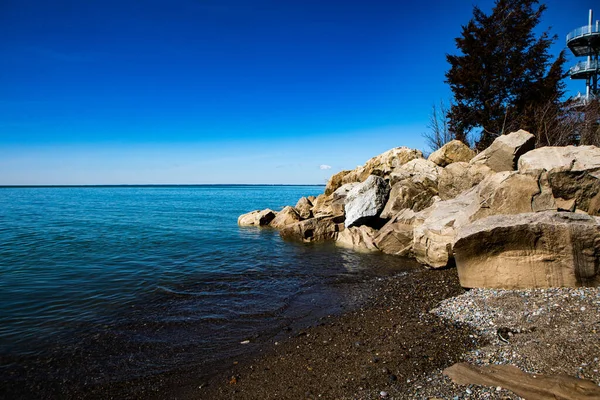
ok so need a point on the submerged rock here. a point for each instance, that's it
(318, 229)
(257, 218)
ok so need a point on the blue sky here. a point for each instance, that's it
(223, 91)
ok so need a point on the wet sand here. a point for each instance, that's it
(383, 346)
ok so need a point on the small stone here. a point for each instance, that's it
(383, 394)
(469, 391)
(245, 342)
(498, 388)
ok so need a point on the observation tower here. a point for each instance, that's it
(585, 42)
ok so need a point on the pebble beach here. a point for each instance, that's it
(411, 328)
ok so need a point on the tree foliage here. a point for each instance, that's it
(504, 74)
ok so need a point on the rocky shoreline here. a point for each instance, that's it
(520, 225)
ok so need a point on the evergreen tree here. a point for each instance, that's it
(504, 73)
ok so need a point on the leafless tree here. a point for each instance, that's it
(438, 133)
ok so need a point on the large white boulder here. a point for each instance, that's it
(365, 201)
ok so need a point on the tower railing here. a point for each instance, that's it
(589, 65)
(583, 31)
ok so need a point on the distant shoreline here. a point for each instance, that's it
(160, 185)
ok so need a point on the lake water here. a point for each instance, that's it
(101, 285)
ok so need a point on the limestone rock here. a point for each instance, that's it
(285, 217)
(304, 208)
(451, 152)
(358, 238)
(459, 177)
(396, 236)
(545, 249)
(322, 206)
(509, 192)
(418, 170)
(383, 165)
(339, 197)
(504, 153)
(335, 182)
(409, 194)
(317, 229)
(257, 218)
(435, 228)
(365, 201)
(573, 174)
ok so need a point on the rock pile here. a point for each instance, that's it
(509, 217)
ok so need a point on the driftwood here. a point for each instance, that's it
(529, 386)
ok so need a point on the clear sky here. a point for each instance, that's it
(223, 91)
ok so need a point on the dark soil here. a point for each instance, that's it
(383, 346)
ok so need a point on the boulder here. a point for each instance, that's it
(317, 229)
(545, 249)
(365, 201)
(322, 206)
(451, 152)
(509, 192)
(572, 173)
(459, 177)
(396, 236)
(285, 217)
(435, 228)
(339, 197)
(257, 218)
(383, 165)
(304, 208)
(418, 170)
(409, 194)
(414, 186)
(504, 153)
(357, 238)
(335, 182)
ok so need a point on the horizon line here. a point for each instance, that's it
(157, 184)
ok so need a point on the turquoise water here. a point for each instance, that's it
(102, 284)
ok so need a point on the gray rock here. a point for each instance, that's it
(365, 201)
